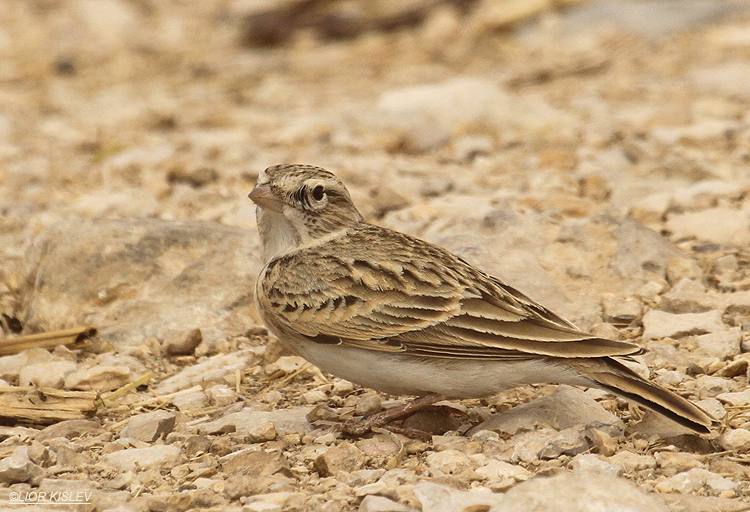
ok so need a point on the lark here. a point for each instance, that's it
(400, 315)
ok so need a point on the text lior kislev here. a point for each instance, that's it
(53, 497)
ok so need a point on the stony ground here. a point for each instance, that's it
(597, 156)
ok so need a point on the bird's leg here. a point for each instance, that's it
(382, 418)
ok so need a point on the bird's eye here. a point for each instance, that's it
(318, 192)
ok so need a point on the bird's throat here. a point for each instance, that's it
(277, 234)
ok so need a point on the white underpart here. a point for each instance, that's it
(399, 374)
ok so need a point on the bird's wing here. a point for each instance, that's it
(418, 299)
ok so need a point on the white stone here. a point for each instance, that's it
(427, 115)
(101, 377)
(285, 421)
(739, 398)
(630, 462)
(372, 503)
(718, 225)
(695, 480)
(18, 467)
(190, 401)
(565, 407)
(731, 78)
(160, 457)
(594, 463)
(314, 396)
(209, 371)
(11, 366)
(46, 375)
(221, 395)
(671, 463)
(659, 324)
(713, 407)
(708, 386)
(495, 470)
(448, 462)
(440, 498)
(723, 344)
(577, 492)
(262, 433)
(286, 364)
(149, 426)
(736, 439)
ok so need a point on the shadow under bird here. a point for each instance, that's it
(400, 315)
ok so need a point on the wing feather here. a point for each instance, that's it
(420, 299)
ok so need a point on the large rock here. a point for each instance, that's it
(150, 426)
(565, 407)
(141, 279)
(213, 370)
(159, 456)
(718, 225)
(579, 492)
(440, 498)
(425, 116)
(18, 467)
(642, 254)
(658, 324)
(247, 421)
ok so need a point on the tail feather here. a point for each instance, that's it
(621, 380)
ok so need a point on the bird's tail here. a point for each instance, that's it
(621, 380)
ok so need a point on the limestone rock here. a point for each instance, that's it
(723, 344)
(440, 498)
(565, 407)
(658, 324)
(448, 462)
(579, 492)
(144, 278)
(593, 463)
(70, 429)
(11, 366)
(213, 370)
(373, 503)
(738, 398)
(160, 456)
(46, 375)
(18, 467)
(99, 378)
(642, 254)
(190, 401)
(285, 421)
(180, 342)
(344, 457)
(426, 116)
(736, 439)
(695, 479)
(149, 426)
(718, 225)
(253, 462)
(676, 462)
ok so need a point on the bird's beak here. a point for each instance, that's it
(264, 197)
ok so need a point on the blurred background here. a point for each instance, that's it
(449, 119)
(438, 114)
(595, 154)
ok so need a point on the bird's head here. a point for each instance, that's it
(299, 204)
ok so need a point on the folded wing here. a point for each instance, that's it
(432, 304)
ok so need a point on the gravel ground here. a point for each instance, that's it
(596, 156)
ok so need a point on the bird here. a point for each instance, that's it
(400, 315)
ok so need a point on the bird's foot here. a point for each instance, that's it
(382, 419)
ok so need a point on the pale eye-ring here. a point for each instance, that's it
(318, 192)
